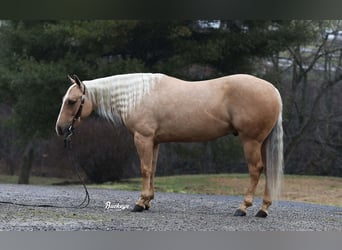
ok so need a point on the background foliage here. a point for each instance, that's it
(302, 58)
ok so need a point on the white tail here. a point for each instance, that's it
(275, 159)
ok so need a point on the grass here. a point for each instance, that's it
(311, 189)
(172, 184)
(34, 180)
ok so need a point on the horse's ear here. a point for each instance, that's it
(78, 81)
(72, 81)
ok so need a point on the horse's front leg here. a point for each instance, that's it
(154, 168)
(145, 148)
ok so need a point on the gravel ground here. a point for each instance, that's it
(169, 212)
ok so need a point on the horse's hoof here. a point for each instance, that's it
(138, 208)
(261, 214)
(240, 212)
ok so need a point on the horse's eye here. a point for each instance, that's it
(71, 102)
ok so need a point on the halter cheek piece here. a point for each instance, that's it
(70, 129)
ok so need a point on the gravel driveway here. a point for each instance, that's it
(169, 212)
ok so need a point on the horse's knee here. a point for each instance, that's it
(146, 171)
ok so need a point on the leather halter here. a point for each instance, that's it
(70, 130)
(79, 111)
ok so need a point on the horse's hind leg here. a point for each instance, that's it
(252, 151)
(145, 148)
(267, 201)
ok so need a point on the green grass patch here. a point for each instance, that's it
(188, 184)
(34, 180)
(312, 189)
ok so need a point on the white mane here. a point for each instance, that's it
(119, 94)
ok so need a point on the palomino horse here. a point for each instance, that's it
(158, 108)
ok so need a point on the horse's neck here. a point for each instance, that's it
(118, 95)
(99, 94)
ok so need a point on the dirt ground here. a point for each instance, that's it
(169, 212)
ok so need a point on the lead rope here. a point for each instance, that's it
(67, 146)
(83, 204)
(86, 200)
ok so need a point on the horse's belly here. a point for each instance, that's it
(192, 129)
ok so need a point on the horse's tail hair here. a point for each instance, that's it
(275, 159)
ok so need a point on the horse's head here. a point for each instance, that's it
(76, 106)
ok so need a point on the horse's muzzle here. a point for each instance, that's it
(59, 131)
(66, 131)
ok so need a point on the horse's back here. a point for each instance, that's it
(177, 110)
(240, 93)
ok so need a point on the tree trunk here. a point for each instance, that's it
(26, 166)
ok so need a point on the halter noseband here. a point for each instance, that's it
(70, 129)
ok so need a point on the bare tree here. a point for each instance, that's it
(312, 114)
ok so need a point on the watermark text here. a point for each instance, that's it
(116, 206)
